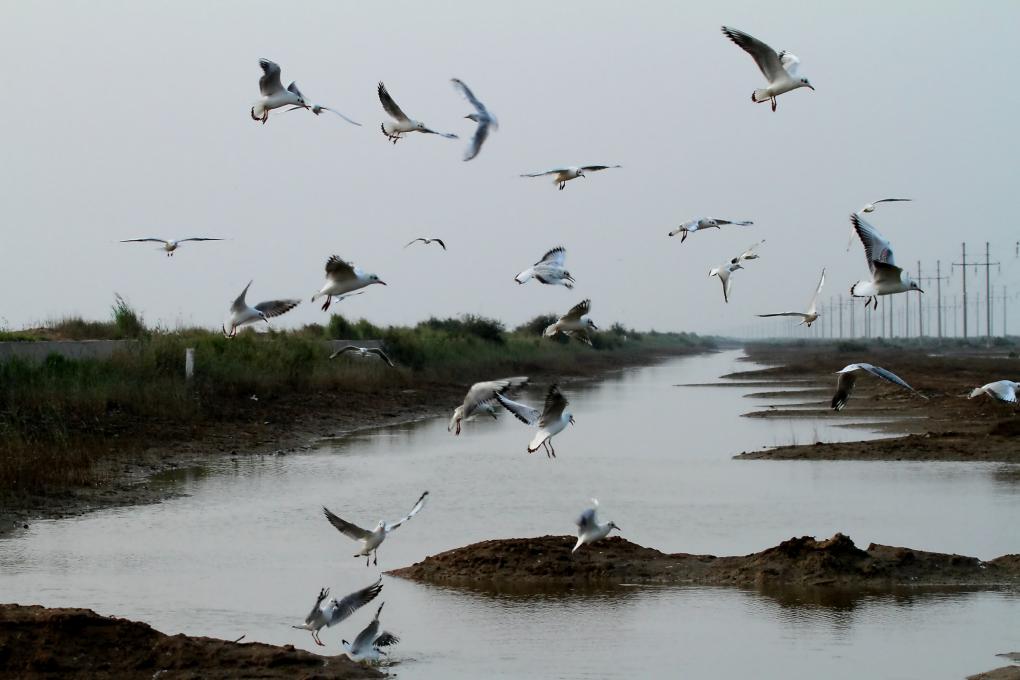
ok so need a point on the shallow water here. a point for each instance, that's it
(247, 549)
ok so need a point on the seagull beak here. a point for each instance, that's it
(919, 290)
(572, 420)
(812, 87)
(382, 282)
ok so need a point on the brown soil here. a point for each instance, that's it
(946, 426)
(37, 643)
(804, 561)
(1004, 673)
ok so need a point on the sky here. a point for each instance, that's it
(131, 119)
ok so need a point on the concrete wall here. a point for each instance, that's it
(104, 349)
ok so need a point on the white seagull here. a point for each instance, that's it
(886, 277)
(748, 254)
(870, 208)
(273, 94)
(241, 313)
(394, 131)
(725, 272)
(481, 398)
(1000, 390)
(699, 223)
(328, 614)
(481, 116)
(563, 175)
(427, 241)
(780, 69)
(169, 245)
(549, 270)
(551, 420)
(363, 352)
(811, 315)
(343, 278)
(367, 646)
(371, 540)
(588, 528)
(575, 323)
(319, 108)
(847, 379)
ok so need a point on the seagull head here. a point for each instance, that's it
(380, 524)
(263, 316)
(472, 116)
(372, 278)
(458, 415)
(612, 525)
(804, 82)
(589, 324)
(914, 286)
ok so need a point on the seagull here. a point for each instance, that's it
(481, 116)
(343, 278)
(169, 245)
(780, 69)
(748, 254)
(273, 94)
(395, 131)
(482, 398)
(241, 313)
(366, 647)
(551, 420)
(549, 270)
(811, 315)
(847, 378)
(371, 540)
(427, 241)
(886, 277)
(588, 528)
(870, 208)
(724, 272)
(319, 108)
(333, 612)
(1000, 390)
(363, 352)
(564, 175)
(574, 323)
(699, 223)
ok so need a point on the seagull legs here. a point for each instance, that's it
(773, 104)
(315, 637)
(562, 185)
(325, 305)
(375, 557)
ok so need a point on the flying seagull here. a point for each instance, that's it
(699, 223)
(724, 272)
(588, 528)
(241, 313)
(551, 420)
(394, 131)
(371, 540)
(811, 315)
(748, 254)
(273, 94)
(574, 323)
(481, 116)
(169, 245)
(342, 278)
(780, 69)
(367, 646)
(319, 108)
(870, 208)
(481, 398)
(328, 614)
(1000, 390)
(363, 352)
(549, 270)
(886, 277)
(563, 175)
(427, 241)
(848, 376)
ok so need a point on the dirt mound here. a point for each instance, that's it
(36, 642)
(802, 561)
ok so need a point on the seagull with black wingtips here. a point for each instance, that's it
(371, 540)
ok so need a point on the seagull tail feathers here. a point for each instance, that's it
(760, 96)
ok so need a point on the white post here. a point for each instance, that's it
(189, 363)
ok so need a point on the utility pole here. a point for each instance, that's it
(938, 283)
(963, 268)
(987, 264)
(1004, 312)
(841, 316)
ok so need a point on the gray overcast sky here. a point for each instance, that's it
(129, 119)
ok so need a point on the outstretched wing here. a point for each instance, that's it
(586, 520)
(414, 511)
(523, 412)
(269, 83)
(353, 602)
(334, 111)
(554, 171)
(348, 348)
(195, 238)
(144, 240)
(339, 269)
(382, 355)
(595, 168)
(389, 105)
(799, 314)
(481, 134)
(889, 200)
(555, 402)
(470, 96)
(738, 223)
(386, 639)
(790, 62)
(888, 376)
(367, 636)
(876, 247)
(577, 311)
(812, 308)
(844, 387)
(273, 308)
(557, 256)
(239, 303)
(346, 528)
(768, 61)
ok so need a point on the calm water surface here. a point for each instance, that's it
(247, 549)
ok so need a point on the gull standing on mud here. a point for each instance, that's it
(273, 94)
(588, 528)
(563, 175)
(549, 270)
(552, 420)
(330, 613)
(367, 646)
(481, 116)
(886, 277)
(780, 69)
(169, 245)
(1000, 390)
(847, 379)
(427, 241)
(241, 313)
(371, 540)
(363, 352)
(811, 315)
(343, 278)
(725, 273)
(699, 223)
(395, 131)
(481, 398)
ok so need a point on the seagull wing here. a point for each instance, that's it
(888, 376)
(844, 387)
(768, 61)
(326, 108)
(1001, 390)
(144, 240)
(195, 238)
(239, 304)
(523, 412)
(382, 355)
(353, 602)
(440, 242)
(470, 96)
(577, 311)
(273, 308)
(812, 308)
(748, 253)
(269, 83)
(724, 276)
(339, 269)
(448, 135)
(885, 272)
(485, 392)
(481, 134)
(389, 105)
(555, 171)
(386, 639)
(739, 223)
(363, 643)
(800, 314)
(790, 62)
(416, 240)
(876, 247)
(889, 200)
(414, 511)
(340, 351)
(595, 168)
(555, 402)
(556, 256)
(349, 530)
(586, 520)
